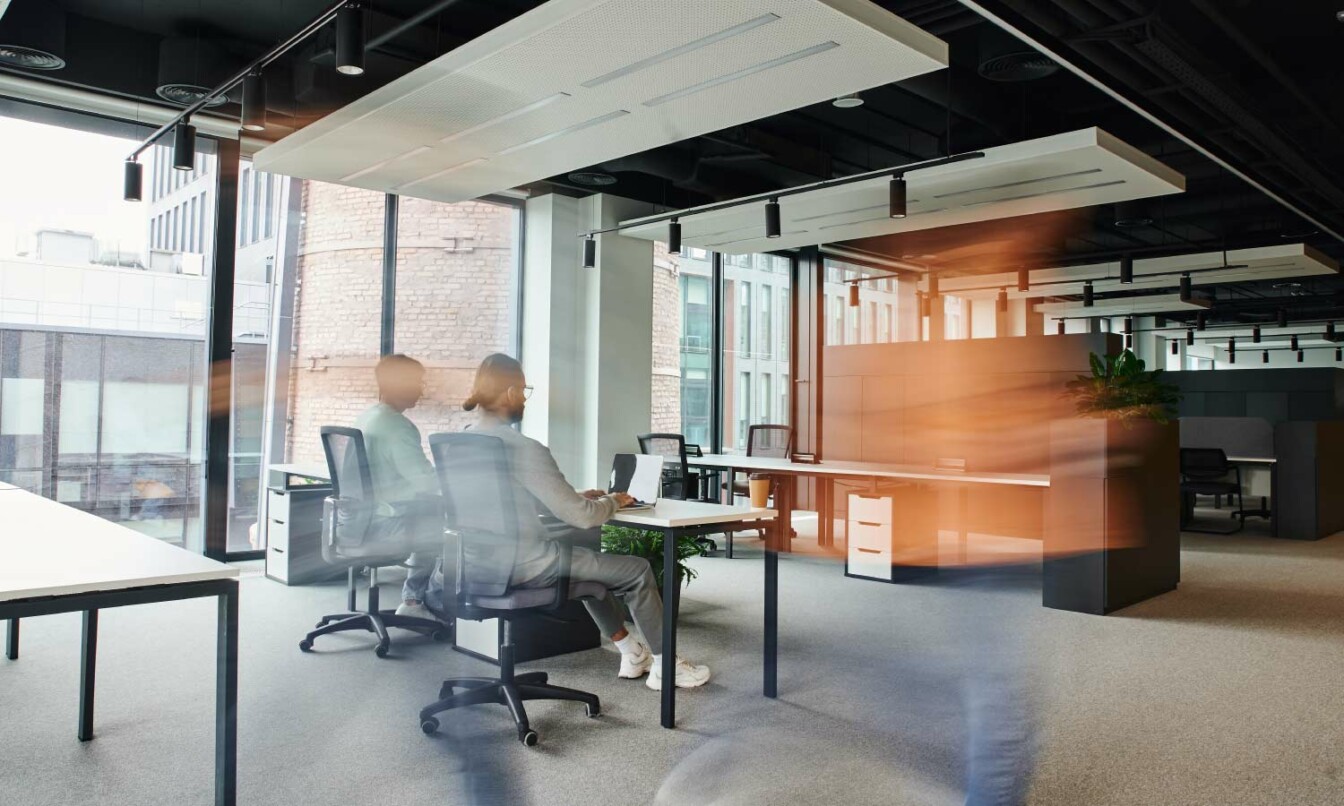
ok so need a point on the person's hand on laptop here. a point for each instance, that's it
(593, 495)
(623, 500)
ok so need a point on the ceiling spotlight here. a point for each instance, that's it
(1129, 342)
(1126, 269)
(1128, 326)
(849, 101)
(184, 146)
(925, 305)
(253, 117)
(1023, 280)
(1187, 287)
(933, 284)
(1339, 353)
(1201, 321)
(896, 204)
(1299, 356)
(1283, 317)
(1255, 334)
(589, 252)
(133, 181)
(1175, 347)
(1059, 327)
(350, 40)
(1330, 331)
(853, 295)
(674, 237)
(772, 227)
(1232, 351)
(1089, 297)
(1003, 300)
(1189, 337)
(1292, 343)
(1264, 357)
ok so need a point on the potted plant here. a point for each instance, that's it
(1122, 388)
(649, 545)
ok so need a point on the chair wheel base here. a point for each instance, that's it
(305, 645)
(429, 726)
(381, 650)
(529, 738)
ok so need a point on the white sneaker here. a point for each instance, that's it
(417, 610)
(689, 675)
(635, 666)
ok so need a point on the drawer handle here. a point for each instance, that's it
(869, 523)
(277, 520)
(868, 497)
(277, 550)
(867, 551)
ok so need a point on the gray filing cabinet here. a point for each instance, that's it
(294, 496)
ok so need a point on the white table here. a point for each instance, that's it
(676, 519)
(57, 559)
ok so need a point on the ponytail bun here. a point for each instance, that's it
(470, 403)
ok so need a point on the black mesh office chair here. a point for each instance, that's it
(355, 537)
(1205, 471)
(679, 481)
(774, 441)
(478, 496)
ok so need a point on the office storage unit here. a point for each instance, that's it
(293, 519)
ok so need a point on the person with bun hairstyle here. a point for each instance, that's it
(499, 396)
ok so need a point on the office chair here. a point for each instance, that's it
(679, 481)
(354, 537)
(774, 441)
(1204, 471)
(473, 471)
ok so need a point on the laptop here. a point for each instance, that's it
(639, 476)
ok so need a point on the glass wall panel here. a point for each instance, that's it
(886, 311)
(755, 361)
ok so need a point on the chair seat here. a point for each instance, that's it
(1210, 487)
(524, 598)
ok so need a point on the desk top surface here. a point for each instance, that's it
(50, 549)
(670, 514)
(864, 469)
(309, 470)
(1254, 460)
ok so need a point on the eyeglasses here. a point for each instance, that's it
(527, 392)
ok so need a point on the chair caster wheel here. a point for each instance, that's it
(429, 726)
(529, 738)
(380, 651)
(440, 635)
(320, 624)
(594, 711)
(305, 645)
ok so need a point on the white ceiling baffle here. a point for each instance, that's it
(573, 83)
(1123, 306)
(1059, 172)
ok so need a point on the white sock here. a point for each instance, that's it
(658, 663)
(629, 645)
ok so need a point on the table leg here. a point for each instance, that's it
(769, 685)
(825, 511)
(226, 699)
(669, 691)
(1274, 499)
(12, 640)
(87, 669)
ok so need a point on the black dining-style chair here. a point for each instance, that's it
(679, 481)
(355, 536)
(478, 493)
(1206, 471)
(774, 441)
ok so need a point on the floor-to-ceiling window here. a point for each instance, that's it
(886, 309)
(756, 360)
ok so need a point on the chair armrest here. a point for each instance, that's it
(563, 562)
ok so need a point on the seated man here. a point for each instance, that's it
(402, 476)
(500, 392)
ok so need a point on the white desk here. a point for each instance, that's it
(677, 519)
(56, 559)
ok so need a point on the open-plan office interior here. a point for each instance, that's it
(680, 402)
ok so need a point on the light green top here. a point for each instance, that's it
(397, 462)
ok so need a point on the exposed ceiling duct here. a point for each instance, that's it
(189, 68)
(32, 35)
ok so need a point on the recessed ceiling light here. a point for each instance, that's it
(849, 101)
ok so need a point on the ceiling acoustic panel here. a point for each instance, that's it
(1123, 306)
(1059, 172)
(573, 83)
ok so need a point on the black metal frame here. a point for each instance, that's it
(219, 353)
(226, 656)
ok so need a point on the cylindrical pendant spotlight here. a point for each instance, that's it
(925, 306)
(1264, 357)
(1231, 351)
(1187, 288)
(896, 203)
(1023, 280)
(1330, 331)
(1175, 347)
(1189, 337)
(1003, 300)
(132, 181)
(1292, 342)
(1089, 296)
(772, 226)
(1129, 342)
(184, 146)
(1201, 321)
(674, 237)
(1299, 356)
(933, 284)
(1339, 353)
(1126, 269)
(589, 252)
(253, 117)
(350, 40)
(1283, 317)
(1128, 326)
(853, 295)
(1059, 327)
(1255, 334)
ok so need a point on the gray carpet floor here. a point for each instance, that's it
(1228, 691)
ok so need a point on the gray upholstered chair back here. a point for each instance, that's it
(478, 496)
(774, 441)
(351, 502)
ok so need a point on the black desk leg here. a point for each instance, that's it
(1274, 499)
(12, 640)
(87, 669)
(669, 692)
(226, 699)
(770, 683)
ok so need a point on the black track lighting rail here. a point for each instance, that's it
(775, 195)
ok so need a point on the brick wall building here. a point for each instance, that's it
(666, 414)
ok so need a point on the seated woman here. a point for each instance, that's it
(499, 394)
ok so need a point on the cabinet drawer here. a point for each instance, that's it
(277, 506)
(870, 562)
(869, 535)
(869, 509)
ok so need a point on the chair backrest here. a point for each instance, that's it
(1204, 463)
(676, 473)
(478, 497)
(351, 484)
(774, 441)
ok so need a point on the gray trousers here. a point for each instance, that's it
(625, 577)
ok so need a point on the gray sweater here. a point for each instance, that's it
(540, 486)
